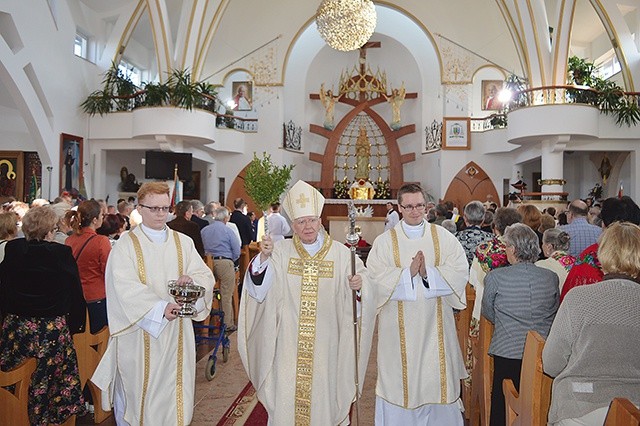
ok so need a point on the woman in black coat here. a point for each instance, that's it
(41, 296)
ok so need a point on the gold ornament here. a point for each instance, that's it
(346, 24)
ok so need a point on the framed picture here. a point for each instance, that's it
(242, 95)
(32, 176)
(70, 163)
(456, 132)
(490, 91)
(191, 187)
(11, 175)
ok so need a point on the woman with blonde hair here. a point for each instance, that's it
(555, 244)
(593, 349)
(91, 252)
(42, 298)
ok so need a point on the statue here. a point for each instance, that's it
(363, 152)
(396, 100)
(128, 181)
(329, 103)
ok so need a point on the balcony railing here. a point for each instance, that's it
(562, 95)
(203, 101)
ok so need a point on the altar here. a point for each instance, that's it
(335, 218)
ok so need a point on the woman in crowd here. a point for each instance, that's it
(517, 298)
(63, 212)
(546, 222)
(91, 252)
(112, 226)
(593, 349)
(42, 298)
(532, 217)
(8, 231)
(555, 243)
(8, 227)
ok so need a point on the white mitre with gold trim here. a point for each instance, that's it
(303, 200)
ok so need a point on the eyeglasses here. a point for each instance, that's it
(410, 207)
(157, 209)
(305, 222)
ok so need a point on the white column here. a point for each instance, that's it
(212, 183)
(553, 167)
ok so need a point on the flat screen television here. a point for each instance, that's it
(160, 165)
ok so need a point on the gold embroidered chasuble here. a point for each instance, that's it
(419, 357)
(158, 375)
(297, 344)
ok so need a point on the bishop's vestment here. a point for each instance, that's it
(297, 344)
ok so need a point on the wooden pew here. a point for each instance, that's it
(622, 413)
(530, 406)
(482, 378)
(14, 405)
(89, 349)
(463, 324)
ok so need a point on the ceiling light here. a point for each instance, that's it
(346, 24)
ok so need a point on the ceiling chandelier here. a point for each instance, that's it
(346, 24)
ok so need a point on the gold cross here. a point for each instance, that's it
(302, 201)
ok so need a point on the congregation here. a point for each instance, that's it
(577, 285)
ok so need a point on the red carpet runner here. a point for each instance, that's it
(245, 410)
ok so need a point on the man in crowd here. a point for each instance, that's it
(420, 272)
(149, 367)
(582, 233)
(198, 214)
(182, 223)
(278, 226)
(209, 210)
(125, 208)
(392, 218)
(296, 331)
(241, 220)
(221, 243)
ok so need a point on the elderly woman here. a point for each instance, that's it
(593, 349)
(91, 252)
(42, 298)
(555, 244)
(517, 298)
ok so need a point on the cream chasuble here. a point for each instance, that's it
(419, 357)
(297, 344)
(158, 375)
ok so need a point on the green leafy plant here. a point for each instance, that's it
(606, 94)
(120, 94)
(264, 181)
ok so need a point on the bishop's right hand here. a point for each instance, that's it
(266, 247)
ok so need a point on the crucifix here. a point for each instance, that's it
(363, 66)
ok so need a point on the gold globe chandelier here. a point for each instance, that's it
(346, 24)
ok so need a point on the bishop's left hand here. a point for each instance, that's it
(355, 282)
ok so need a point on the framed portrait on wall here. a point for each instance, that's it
(456, 133)
(242, 95)
(490, 91)
(70, 163)
(191, 188)
(11, 175)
